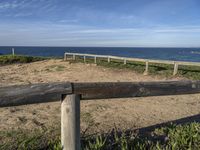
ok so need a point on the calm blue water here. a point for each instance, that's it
(179, 54)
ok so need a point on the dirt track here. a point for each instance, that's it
(101, 115)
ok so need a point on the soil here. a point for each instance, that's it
(96, 115)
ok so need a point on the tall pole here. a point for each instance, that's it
(13, 51)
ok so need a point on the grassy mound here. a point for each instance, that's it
(172, 137)
(10, 59)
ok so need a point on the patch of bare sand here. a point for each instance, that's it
(99, 115)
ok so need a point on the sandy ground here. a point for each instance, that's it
(96, 115)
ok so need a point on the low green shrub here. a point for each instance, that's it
(171, 137)
(10, 59)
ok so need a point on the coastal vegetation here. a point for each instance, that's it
(170, 137)
(10, 59)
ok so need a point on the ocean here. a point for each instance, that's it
(175, 54)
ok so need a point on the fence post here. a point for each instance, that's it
(70, 122)
(108, 59)
(175, 68)
(84, 57)
(146, 68)
(74, 57)
(124, 61)
(13, 51)
(95, 59)
(65, 57)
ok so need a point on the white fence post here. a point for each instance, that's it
(13, 51)
(65, 56)
(84, 57)
(124, 61)
(108, 59)
(74, 57)
(146, 68)
(70, 122)
(95, 59)
(175, 68)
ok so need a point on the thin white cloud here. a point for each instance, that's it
(68, 21)
(8, 5)
(179, 29)
(22, 8)
(47, 33)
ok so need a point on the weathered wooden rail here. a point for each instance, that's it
(125, 59)
(70, 95)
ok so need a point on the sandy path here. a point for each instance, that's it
(95, 115)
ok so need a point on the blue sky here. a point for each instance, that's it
(130, 23)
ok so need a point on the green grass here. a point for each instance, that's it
(171, 137)
(10, 59)
(25, 140)
(190, 72)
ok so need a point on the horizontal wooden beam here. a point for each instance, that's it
(134, 89)
(33, 93)
(49, 92)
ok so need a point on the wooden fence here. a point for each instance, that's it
(125, 59)
(70, 95)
